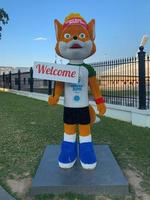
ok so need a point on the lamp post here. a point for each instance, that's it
(144, 40)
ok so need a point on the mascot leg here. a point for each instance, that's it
(86, 150)
(68, 154)
(92, 115)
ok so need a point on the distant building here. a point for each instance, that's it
(6, 70)
(41, 85)
(120, 75)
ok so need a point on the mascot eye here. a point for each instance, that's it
(67, 35)
(82, 35)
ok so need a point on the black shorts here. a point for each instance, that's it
(76, 115)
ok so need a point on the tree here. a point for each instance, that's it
(4, 18)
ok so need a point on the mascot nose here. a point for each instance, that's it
(75, 37)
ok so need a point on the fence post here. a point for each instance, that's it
(31, 79)
(49, 87)
(3, 79)
(142, 87)
(10, 86)
(19, 80)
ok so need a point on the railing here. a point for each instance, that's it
(119, 81)
(126, 81)
(123, 82)
(24, 81)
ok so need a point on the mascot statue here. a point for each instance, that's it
(75, 42)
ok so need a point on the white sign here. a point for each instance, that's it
(56, 72)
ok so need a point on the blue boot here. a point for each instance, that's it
(68, 154)
(87, 155)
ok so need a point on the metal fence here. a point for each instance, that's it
(119, 81)
(126, 81)
(24, 81)
(123, 82)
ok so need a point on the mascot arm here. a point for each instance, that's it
(53, 100)
(97, 95)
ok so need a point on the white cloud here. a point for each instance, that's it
(40, 38)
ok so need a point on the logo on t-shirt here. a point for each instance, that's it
(76, 87)
(76, 98)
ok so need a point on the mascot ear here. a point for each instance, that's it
(58, 28)
(91, 29)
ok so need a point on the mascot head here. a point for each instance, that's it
(75, 38)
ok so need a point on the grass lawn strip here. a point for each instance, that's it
(28, 125)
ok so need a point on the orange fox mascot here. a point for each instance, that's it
(75, 42)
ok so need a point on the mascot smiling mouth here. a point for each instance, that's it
(75, 46)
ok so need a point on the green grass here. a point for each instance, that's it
(28, 125)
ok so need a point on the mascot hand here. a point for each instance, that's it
(101, 108)
(53, 100)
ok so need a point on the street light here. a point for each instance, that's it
(143, 42)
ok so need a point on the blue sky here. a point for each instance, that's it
(119, 28)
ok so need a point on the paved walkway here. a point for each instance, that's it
(4, 195)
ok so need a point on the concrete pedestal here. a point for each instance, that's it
(107, 178)
(4, 195)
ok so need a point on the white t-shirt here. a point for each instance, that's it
(76, 95)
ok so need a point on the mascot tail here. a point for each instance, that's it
(92, 115)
